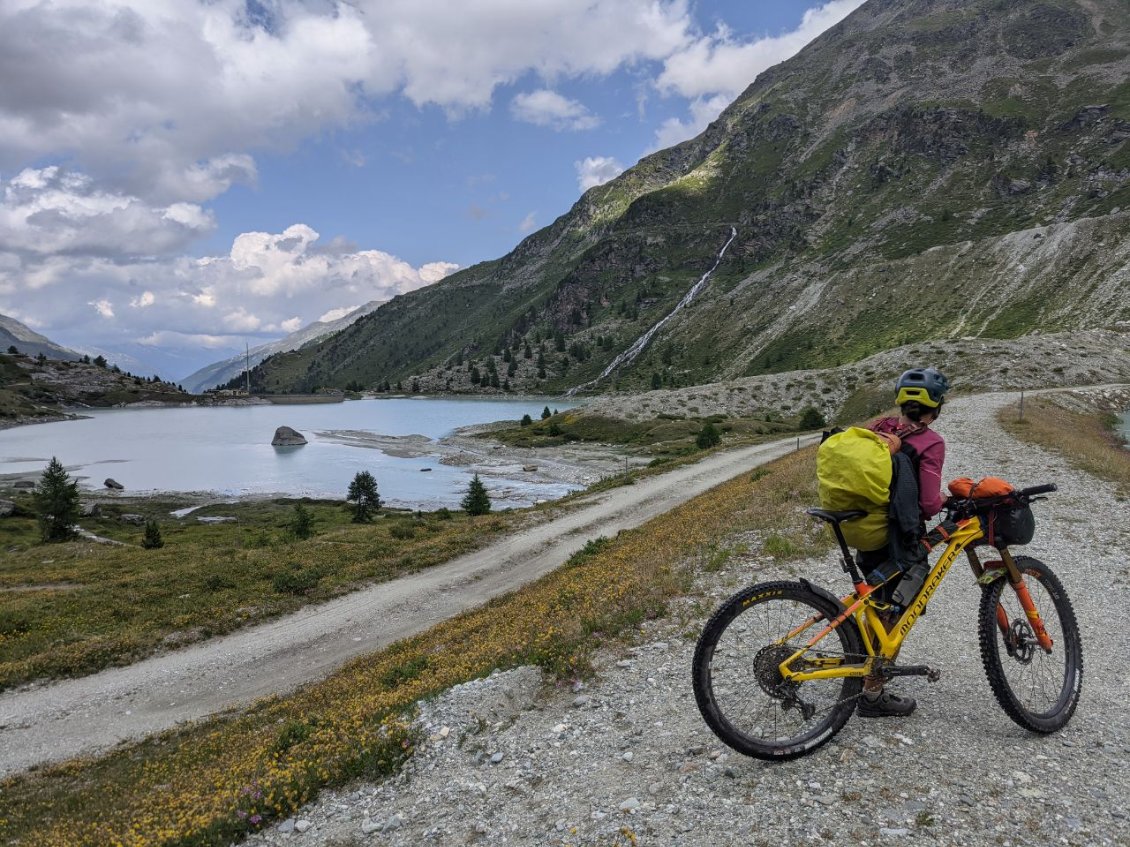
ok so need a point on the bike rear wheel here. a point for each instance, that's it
(738, 685)
(1038, 690)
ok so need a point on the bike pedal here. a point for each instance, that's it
(931, 674)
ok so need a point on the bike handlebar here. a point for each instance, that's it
(968, 505)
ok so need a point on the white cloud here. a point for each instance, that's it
(528, 223)
(435, 271)
(52, 210)
(596, 170)
(169, 338)
(168, 98)
(548, 108)
(268, 284)
(702, 112)
(713, 69)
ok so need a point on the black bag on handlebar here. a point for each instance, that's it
(1011, 524)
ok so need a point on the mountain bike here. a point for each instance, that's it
(780, 666)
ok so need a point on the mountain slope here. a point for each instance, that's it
(925, 169)
(15, 334)
(222, 372)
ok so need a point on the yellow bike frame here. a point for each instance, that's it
(883, 645)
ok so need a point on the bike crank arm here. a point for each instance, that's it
(931, 674)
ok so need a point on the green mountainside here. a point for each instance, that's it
(926, 169)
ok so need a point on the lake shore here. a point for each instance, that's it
(503, 468)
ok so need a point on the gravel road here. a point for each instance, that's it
(626, 759)
(82, 716)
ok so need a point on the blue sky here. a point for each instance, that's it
(178, 178)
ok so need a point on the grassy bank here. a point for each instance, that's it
(209, 782)
(1088, 440)
(75, 608)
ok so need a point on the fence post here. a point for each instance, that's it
(1021, 405)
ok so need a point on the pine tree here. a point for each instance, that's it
(152, 539)
(477, 501)
(302, 524)
(363, 494)
(56, 503)
(545, 413)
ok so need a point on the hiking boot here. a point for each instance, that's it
(883, 704)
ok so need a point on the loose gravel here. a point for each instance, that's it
(624, 758)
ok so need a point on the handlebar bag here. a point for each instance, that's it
(1011, 524)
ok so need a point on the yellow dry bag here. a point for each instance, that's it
(853, 471)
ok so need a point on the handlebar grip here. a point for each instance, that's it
(1038, 489)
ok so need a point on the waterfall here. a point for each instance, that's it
(640, 343)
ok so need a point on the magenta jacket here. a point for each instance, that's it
(931, 449)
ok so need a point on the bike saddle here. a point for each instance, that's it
(835, 517)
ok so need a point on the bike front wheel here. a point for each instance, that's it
(1037, 689)
(736, 671)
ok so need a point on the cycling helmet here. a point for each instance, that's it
(926, 386)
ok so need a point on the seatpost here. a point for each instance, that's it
(849, 560)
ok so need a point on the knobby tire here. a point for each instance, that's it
(1037, 690)
(739, 690)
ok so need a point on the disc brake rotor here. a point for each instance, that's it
(1022, 641)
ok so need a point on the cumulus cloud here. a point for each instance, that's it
(51, 210)
(266, 285)
(596, 170)
(548, 108)
(528, 223)
(712, 70)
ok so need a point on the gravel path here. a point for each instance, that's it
(81, 716)
(626, 759)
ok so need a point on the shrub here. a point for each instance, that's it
(302, 524)
(477, 501)
(811, 418)
(56, 503)
(363, 494)
(527, 420)
(152, 539)
(708, 437)
(402, 531)
(295, 581)
(443, 513)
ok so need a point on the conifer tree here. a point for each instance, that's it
(476, 501)
(364, 497)
(302, 524)
(152, 539)
(56, 503)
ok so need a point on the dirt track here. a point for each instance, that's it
(75, 717)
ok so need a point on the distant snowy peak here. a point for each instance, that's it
(219, 373)
(15, 334)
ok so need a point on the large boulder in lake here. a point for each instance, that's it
(287, 437)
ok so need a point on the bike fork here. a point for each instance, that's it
(1016, 580)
